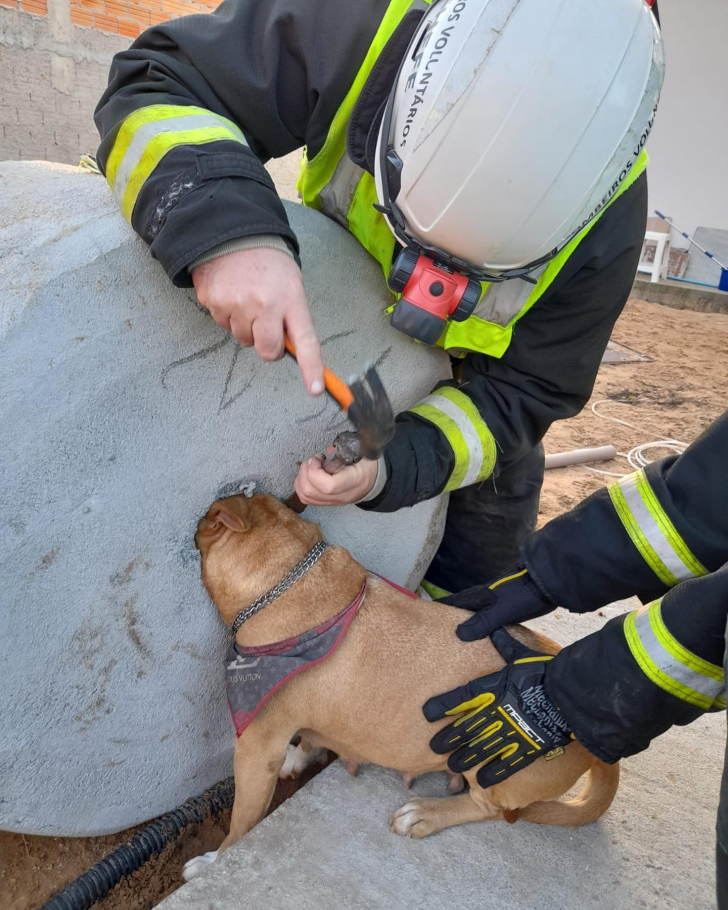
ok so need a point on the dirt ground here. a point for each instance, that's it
(674, 396)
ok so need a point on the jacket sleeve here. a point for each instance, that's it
(195, 106)
(642, 535)
(644, 672)
(499, 409)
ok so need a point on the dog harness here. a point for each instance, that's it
(253, 675)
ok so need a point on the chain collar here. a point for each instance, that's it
(297, 572)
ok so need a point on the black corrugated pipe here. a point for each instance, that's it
(90, 887)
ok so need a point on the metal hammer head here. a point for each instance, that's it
(371, 413)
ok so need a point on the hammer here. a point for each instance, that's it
(366, 403)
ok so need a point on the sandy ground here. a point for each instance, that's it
(675, 396)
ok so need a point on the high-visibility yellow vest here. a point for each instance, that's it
(331, 183)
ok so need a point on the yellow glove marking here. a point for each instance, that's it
(502, 581)
(502, 753)
(518, 730)
(480, 701)
(491, 731)
(533, 660)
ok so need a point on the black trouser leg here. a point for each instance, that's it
(721, 852)
(487, 524)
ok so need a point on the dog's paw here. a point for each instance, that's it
(194, 866)
(417, 818)
(297, 761)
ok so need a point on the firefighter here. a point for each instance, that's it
(489, 155)
(660, 534)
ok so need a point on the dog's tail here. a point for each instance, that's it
(593, 801)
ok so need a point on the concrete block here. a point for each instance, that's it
(330, 847)
(125, 411)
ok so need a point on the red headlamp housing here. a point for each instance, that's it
(431, 293)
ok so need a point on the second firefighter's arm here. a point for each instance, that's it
(642, 535)
(500, 409)
(195, 106)
(646, 671)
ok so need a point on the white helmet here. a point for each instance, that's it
(512, 123)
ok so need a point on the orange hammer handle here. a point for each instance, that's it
(336, 387)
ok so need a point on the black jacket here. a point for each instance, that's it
(586, 559)
(280, 70)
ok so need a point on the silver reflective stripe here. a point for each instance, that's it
(338, 194)
(148, 131)
(470, 435)
(651, 529)
(501, 303)
(670, 665)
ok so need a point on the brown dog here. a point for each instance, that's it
(365, 701)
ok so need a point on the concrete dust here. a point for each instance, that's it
(676, 395)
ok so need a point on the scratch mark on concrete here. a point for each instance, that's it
(198, 355)
(132, 618)
(226, 401)
(383, 356)
(120, 579)
(337, 336)
(318, 413)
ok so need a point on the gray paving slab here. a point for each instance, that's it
(330, 845)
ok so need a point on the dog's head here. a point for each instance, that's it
(247, 546)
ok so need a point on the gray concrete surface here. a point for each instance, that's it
(330, 847)
(681, 296)
(124, 412)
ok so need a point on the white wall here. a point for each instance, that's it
(688, 148)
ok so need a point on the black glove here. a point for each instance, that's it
(510, 721)
(512, 598)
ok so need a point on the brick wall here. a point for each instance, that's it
(129, 17)
(54, 64)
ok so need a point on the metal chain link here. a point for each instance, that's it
(297, 572)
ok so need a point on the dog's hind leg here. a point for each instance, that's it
(422, 817)
(259, 756)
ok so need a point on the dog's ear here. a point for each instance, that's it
(222, 515)
(232, 514)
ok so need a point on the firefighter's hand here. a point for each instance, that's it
(504, 721)
(317, 488)
(258, 295)
(514, 597)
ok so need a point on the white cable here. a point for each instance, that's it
(613, 419)
(635, 456)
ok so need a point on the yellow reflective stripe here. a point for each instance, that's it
(156, 150)
(487, 441)
(433, 590)
(472, 443)
(650, 529)
(638, 538)
(678, 651)
(454, 437)
(317, 171)
(153, 113)
(662, 520)
(145, 137)
(659, 661)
